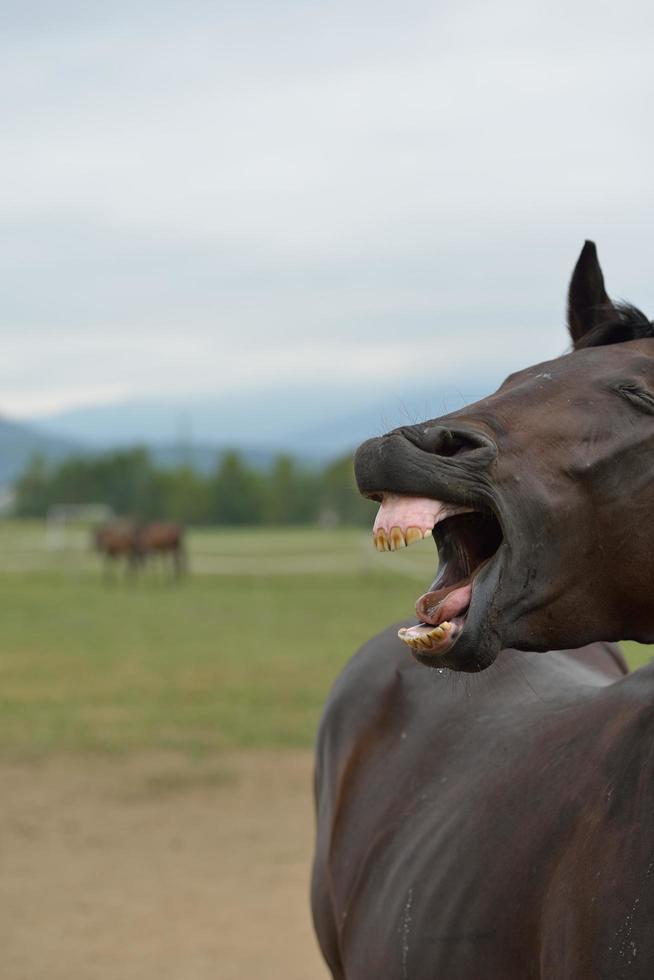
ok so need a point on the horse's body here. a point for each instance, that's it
(161, 538)
(499, 825)
(494, 827)
(115, 540)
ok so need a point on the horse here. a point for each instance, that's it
(492, 817)
(115, 540)
(161, 538)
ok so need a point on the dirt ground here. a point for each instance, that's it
(155, 866)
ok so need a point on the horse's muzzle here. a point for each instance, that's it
(446, 463)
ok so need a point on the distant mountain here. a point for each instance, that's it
(258, 419)
(19, 442)
(313, 421)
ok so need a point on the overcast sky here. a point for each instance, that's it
(200, 197)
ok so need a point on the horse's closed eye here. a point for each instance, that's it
(638, 396)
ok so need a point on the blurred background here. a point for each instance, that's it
(238, 240)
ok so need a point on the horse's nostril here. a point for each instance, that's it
(444, 441)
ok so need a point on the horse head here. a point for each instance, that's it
(538, 497)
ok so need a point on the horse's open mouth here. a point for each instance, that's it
(466, 540)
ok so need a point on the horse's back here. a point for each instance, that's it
(160, 536)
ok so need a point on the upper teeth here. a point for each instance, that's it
(402, 520)
(397, 538)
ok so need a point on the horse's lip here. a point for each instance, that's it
(475, 652)
(482, 636)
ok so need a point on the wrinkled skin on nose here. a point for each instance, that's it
(562, 458)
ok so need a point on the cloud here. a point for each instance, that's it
(202, 195)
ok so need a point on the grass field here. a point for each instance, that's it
(241, 654)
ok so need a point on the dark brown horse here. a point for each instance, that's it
(115, 541)
(500, 826)
(161, 539)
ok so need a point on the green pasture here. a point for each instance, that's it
(242, 653)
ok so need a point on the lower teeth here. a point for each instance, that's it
(425, 641)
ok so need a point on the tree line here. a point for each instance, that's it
(235, 493)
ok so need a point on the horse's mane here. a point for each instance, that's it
(623, 322)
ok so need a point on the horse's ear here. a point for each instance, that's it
(588, 302)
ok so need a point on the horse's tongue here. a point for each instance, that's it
(437, 607)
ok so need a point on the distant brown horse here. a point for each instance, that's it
(115, 540)
(135, 543)
(160, 538)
